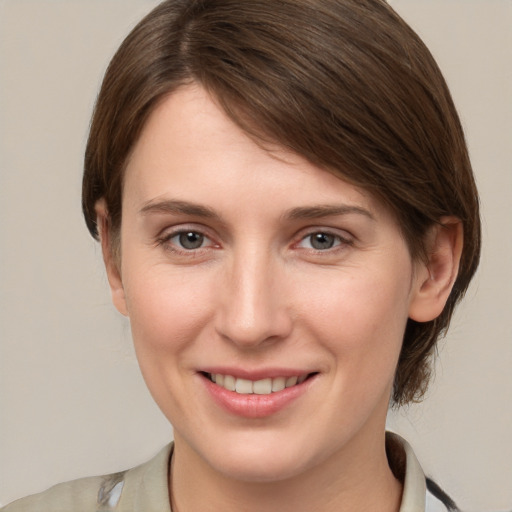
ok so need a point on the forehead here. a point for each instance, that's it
(190, 147)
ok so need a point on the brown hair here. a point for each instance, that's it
(346, 84)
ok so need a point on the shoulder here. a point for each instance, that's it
(141, 488)
(74, 495)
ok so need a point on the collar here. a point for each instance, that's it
(406, 468)
(146, 486)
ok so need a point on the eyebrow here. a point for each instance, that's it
(173, 206)
(178, 207)
(320, 211)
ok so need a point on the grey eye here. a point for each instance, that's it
(190, 240)
(322, 241)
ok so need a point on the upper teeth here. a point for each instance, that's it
(257, 387)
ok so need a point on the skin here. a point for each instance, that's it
(258, 295)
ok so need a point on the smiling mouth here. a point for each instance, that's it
(256, 387)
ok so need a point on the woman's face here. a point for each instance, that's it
(257, 269)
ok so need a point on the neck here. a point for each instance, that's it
(357, 479)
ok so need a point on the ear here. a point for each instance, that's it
(434, 278)
(112, 265)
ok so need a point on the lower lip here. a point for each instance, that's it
(255, 406)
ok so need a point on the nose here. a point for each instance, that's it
(254, 308)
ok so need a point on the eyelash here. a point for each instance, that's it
(340, 242)
(166, 241)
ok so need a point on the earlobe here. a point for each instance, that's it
(435, 278)
(112, 265)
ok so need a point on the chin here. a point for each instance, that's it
(267, 469)
(260, 459)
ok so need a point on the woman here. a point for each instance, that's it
(288, 217)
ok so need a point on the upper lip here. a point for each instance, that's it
(256, 374)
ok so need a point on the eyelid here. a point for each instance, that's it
(166, 235)
(345, 238)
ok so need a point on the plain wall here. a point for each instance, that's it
(72, 402)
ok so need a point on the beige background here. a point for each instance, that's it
(72, 402)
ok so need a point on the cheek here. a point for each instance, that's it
(168, 311)
(360, 319)
(166, 307)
